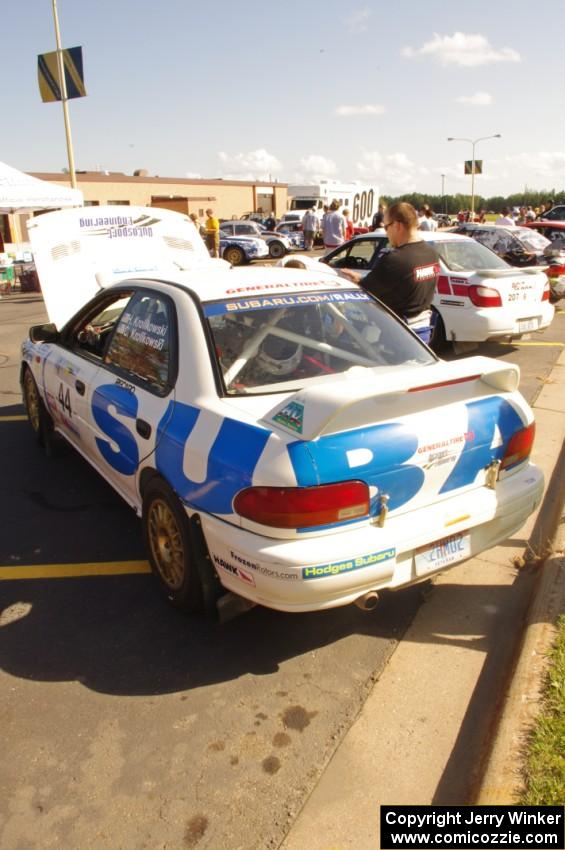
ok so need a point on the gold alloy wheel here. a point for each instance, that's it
(32, 401)
(166, 543)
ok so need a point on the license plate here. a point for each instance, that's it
(443, 552)
(525, 325)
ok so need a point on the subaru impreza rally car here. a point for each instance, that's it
(478, 297)
(237, 250)
(281, 434)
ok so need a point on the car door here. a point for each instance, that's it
(70, 371)
(133, 392)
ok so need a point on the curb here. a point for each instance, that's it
(502, 781)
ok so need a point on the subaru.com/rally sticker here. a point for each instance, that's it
(324, 570)
(264, 302)
(291, 416)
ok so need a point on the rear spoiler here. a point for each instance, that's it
(511, 272)
(335, 405)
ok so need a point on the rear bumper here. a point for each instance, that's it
(335, 569)
(485, 324)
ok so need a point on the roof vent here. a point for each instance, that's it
(140, 172)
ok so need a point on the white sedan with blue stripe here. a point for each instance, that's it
(479, 296)
(281, 434)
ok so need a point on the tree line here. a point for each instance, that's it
(451, 204)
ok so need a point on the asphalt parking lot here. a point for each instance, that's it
(127, 724)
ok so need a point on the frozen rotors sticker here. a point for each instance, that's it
(338, 567)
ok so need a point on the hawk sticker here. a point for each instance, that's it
(291, 416)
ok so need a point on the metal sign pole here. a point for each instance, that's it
(63, 85)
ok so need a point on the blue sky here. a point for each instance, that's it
(297, 91)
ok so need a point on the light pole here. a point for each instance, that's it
(443, 194)
(473, 142)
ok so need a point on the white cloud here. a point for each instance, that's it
(315, 167)
(366, 109)
(395, 172)
(357, 21)
(481, 98)
(464, 49)
(546, 165)
(254, 165)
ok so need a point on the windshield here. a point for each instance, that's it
(468, 255)
(302, 203)
(273, 344)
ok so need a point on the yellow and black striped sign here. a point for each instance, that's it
(48, 75)
(469, 166)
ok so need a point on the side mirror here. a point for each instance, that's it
(44, 333)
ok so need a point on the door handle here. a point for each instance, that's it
(143, 428)
(80, 387)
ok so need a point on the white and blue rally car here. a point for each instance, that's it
(281, 434)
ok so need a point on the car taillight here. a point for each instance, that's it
(546, 291)
(555, 270)
(484, 296)
(304, 507)
(519, 447)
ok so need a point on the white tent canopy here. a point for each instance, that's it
(20, 193)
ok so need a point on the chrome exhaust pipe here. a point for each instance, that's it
(367, 602)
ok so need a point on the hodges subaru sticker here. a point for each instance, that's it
(335, 569)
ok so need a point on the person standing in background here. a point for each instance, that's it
(333, 227)
(310, 226)
(349, 229)
(427, 221)
(379, 217)
(212, 228)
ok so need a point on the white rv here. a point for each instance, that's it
(360, 199)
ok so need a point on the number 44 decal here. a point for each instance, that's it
(64, 398)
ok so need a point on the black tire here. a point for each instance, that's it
(39, 419)
(166, 530)
(276, 250)
(234, 256)
(438, 339)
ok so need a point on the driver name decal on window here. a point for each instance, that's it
(141, 343)
(143, 331)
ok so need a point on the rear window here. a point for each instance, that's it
(468, 255)
(272, 344)
(532, 241)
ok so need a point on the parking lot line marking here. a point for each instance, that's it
(539, 344)
(19, 418)
(111, 568)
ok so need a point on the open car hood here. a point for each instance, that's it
(77, 252)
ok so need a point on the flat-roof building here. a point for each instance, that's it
(228, 198)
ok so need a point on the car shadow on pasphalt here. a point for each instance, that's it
(117, 635)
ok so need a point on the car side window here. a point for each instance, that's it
(359, 255)
(92, 334)
(141, 347)
(485, 237)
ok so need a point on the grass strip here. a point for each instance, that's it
(544, 769)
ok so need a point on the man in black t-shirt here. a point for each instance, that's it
(405, 278)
